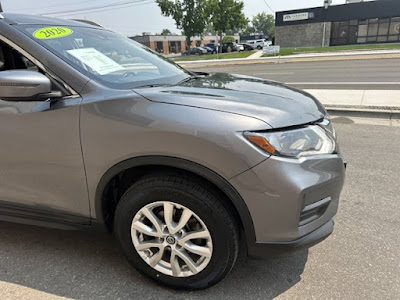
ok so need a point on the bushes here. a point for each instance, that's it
(228, 39)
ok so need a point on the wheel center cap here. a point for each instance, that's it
(170, 240)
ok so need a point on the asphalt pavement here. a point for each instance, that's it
(373, 74)
(361, 260)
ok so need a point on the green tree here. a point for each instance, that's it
(209, 30)
(249, 30)
(226, 15)
(264, 23)
(166, 32)
(228, 39)
(190, 15)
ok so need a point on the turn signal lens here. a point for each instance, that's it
(261, 142)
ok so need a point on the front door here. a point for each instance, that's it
(41, 165)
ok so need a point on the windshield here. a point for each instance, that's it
(107, 57)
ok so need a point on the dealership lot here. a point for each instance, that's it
(359, 261)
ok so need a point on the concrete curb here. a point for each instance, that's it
(387, 113)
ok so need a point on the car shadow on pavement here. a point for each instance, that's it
(83, 265)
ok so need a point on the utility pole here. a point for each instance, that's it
(1, 9)
(327, 3)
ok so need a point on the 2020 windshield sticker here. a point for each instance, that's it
(96, 60)
(52, 33)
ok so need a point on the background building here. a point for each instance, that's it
(353, 23)
(174, 43)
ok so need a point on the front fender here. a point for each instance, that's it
(117, 129)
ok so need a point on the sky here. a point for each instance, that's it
(137, 16)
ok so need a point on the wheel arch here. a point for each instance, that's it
(138, 163)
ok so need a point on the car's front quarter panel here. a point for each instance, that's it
(121, 127)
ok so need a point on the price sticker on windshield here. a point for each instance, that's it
(52, 33)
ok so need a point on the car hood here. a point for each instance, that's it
(274, 103)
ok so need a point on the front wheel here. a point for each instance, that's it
(176, 231)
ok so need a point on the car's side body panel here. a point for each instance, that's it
(40, 156)
(28, 214)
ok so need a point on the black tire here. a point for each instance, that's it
(203, 201)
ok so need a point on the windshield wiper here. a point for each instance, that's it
(188, 79)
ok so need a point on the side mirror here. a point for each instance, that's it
(22, 85)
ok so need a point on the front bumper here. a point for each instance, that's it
(291, 201)
(264, 250)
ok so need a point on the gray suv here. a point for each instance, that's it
(98, 131)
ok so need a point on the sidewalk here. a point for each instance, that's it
(378, 104)
(377, 99)
(256, 55)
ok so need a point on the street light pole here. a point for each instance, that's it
(216, 39)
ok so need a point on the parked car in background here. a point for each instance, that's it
(210, 50)
(268, 43)
(213, 46)
(204, 50)
(229, 47)
(240, 47)
(248, 47)
(195, 51)
(257, 44)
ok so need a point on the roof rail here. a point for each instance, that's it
(88, 22)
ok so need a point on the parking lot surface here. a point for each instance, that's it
(361, 260)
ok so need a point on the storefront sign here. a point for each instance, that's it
(272, 49)
(296, 17)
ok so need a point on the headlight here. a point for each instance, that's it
(327, 124)
(295, 143)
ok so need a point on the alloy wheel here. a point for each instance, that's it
(172, 239)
